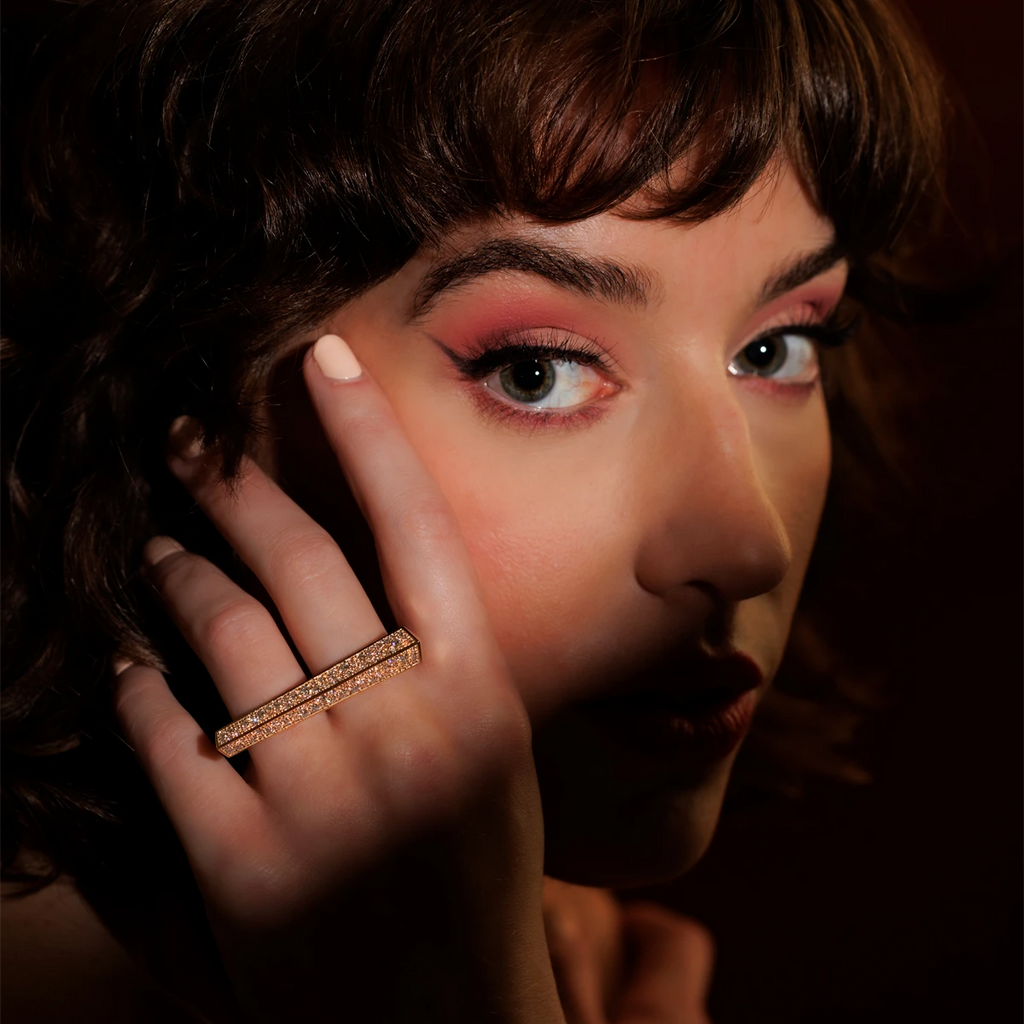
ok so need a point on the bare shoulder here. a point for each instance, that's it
(59, 962)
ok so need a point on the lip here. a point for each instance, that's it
(696, 711)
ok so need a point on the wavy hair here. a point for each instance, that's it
(190, 183)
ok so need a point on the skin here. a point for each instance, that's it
(670, 507)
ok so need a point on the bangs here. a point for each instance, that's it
(569, 109)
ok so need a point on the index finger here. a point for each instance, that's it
(430, 580)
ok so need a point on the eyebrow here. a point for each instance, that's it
(805, 268)
(623, 284)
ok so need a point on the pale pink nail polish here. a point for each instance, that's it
(335, 359)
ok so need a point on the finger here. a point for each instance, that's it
(326, 613)
(430, 580)
(236, 639)
(575, 967)
(578, 978)
(199, 790)
(324, 608)
(674, 957)
(583, 928)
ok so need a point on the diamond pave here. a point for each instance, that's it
(383, 659)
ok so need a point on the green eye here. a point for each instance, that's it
(763, 357)
(546, 383)
(528, 381)
(783, 356)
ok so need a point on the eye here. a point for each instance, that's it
(547, 383)
(783, 355)
(541, 376)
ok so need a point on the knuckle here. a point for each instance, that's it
(255, 880)
(167, 742)
(507, 725)
(305, 554)
(258, 890)
(172, 570)
(128, 694)
(239, 622)
(417, 766)
(425, 519)
(182, 576)
(495, 732)
(430, 774)
(367, 430)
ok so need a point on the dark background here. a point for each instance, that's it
(901, 900)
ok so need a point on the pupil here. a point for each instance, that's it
(528, 376)
(761, 354)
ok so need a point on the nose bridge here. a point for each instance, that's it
(711, 521)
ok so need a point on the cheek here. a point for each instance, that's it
(795, 455)
(540, 547)
(544, 529)
(810, 481)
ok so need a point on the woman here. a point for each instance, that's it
(540, 291)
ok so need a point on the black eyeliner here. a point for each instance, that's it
(832, 333)
(504, 350)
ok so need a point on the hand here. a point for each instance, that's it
(637, 963)
(383, 859)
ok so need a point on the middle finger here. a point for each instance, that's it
(235, 637)
(321, 602)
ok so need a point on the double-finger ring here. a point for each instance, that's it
(382, 659)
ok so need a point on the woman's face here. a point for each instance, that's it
(638, 457)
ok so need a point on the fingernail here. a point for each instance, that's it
(120, 665)
(157, 549)
(185, 437)
(335, 359)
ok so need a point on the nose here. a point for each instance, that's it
(709, 521)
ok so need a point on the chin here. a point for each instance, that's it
(638, 840)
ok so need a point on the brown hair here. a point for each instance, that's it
(189, 183)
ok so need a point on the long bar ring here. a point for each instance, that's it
(380, 660)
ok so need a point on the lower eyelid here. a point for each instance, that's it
(780, 390)
(503, 409)
(537, 419)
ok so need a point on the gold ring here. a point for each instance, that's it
(382, 659)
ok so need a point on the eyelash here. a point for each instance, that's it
(833, 332)
(498, 351)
